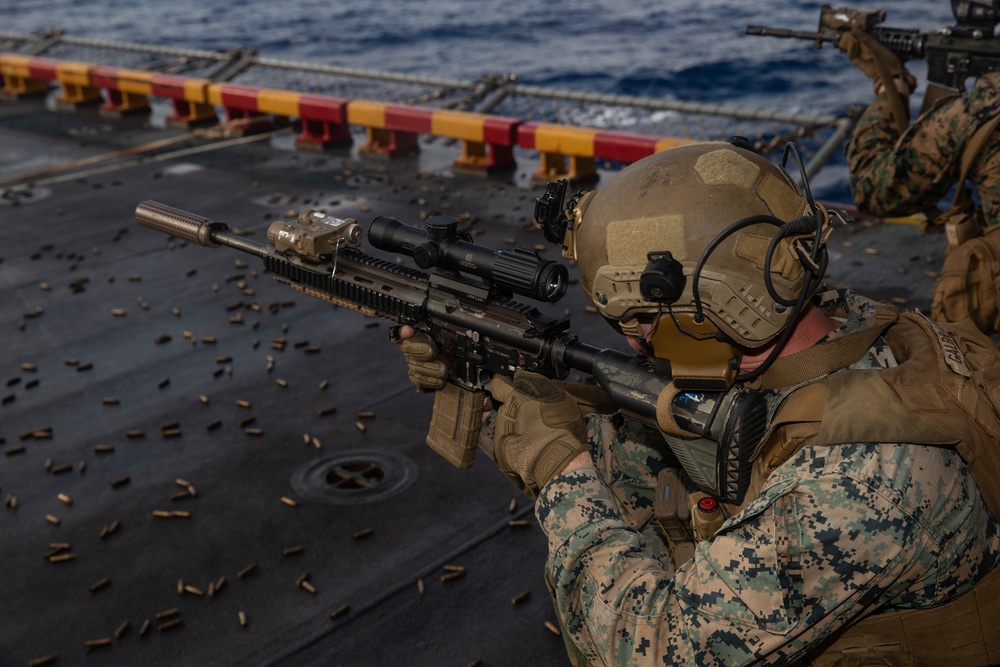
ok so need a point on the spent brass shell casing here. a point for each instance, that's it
(16, 449)
(193, 591)
(316, 443)
(211, 589)
(339, 611)
(519, 598)
(309, 587)
(52, 519)
(61, 469)
(421, 588)
(100, 584)
(281, 383)
(323, 412)
(292, 551)
(359, 426)
(453, 568)
(254, 431)
(245, 571)
(298, 582)
(61, 558)
(171, 433)
(553, 628)
(203, 398)
(518, 523)
(512, 506)
(40, 662)
(180, 514)
(173, 611)
(121, 481)
(110, 400)
(364, 532)
(451, 576)
(144, 628)
(243, 619)
(323, 385)
(209, 340)
(118, 312)
(169, 625)
(104, 449)
(243, 403)
(136, 433)
(97, 643)
(219, 584)
(120, 630)
(366, 414)
(289, 502)
(162, 514)
(180, 495)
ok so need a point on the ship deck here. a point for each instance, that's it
(202, 467)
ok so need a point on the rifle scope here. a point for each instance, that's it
(520, 271)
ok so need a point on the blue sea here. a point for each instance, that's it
(690, 51)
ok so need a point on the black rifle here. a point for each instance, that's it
(953, 54)
(477, 326)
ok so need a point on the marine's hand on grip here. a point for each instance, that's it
(539, 429)
(876, 61)
(427, 370)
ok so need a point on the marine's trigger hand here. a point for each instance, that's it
(427, 370)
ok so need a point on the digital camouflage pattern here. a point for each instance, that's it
(836, 534)
(897, 175)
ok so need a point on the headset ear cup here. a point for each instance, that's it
(663, 279)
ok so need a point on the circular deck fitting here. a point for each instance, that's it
(20, 196)
(354, 477)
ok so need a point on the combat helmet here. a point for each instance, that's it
(711, 241)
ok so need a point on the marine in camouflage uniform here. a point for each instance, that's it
(898, 174)
(837, 533)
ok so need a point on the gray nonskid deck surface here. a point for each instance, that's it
(135, 366)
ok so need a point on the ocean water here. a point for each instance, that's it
(672, 49)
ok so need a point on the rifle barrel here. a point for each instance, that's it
(191, 227)
(765, 31)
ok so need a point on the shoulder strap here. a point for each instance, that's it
(819, 360)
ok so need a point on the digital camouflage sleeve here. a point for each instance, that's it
(893, 175)
(837, 533)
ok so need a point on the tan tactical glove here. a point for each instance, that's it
(877, 62)
(427, 371)
(539, 429)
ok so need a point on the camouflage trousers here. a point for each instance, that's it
(836, 534)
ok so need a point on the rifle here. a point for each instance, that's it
(466, 306)
(953, 53)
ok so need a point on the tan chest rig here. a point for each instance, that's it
(946, 392)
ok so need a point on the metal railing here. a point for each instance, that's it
(819, 137)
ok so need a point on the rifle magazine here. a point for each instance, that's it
(455, 424)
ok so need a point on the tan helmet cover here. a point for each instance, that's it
(679, 200)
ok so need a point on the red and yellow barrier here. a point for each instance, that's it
(28, 75)
(583, 146)
(488, 141)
